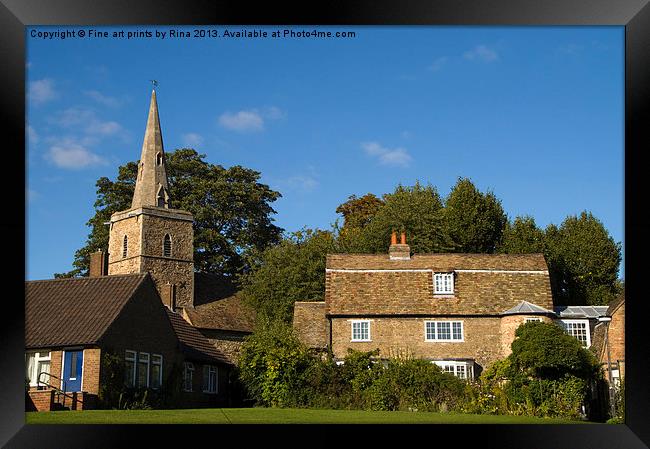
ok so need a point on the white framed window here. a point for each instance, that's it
(578, 329)
(188, 376)
(443, 283)
(210, 376)
(443, 331)
(361, 330)
(156, 370)
(532, 319)
(143, 369)
(37, 362)
(460, 369)
(129, 368)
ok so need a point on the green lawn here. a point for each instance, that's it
(274, 416)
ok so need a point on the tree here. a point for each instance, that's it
(545, 351)
(358, 212)
(292, 271)
(416, 210)
(522, 236)
(473, 220)
(583, 261)
(232, 211)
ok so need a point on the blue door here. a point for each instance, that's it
(72, 363)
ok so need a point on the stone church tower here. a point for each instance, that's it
(151, 236)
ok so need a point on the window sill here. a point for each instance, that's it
(444, 341)
(210, 392)
(444, 295)
(360, 341)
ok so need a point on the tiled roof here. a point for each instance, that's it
(193, 344)
(581, 311)
(525, 307)
(217, 305)
(441, 261)
(75, 311)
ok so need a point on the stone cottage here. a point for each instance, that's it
(458, 310)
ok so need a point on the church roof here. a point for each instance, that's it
(525, 307)
(193, 344)
(75, 311)
(151, 184)
(217, 305)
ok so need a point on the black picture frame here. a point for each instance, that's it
(634, 15)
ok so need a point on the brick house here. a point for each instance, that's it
(459, 311)
(609, 340)
(71, 323)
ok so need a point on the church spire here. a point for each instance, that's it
(151, 185)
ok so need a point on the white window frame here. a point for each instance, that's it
(468, 368)
(443, 277)
(141, 356)
(37, 359)
(211, 388)
(188, 368)
(132, 356)
(532, 319)
(360, 323)
(158, 363)
(585, 322)
(451, 331)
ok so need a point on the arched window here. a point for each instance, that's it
(159, 159)
(125, 246)
(167, 246)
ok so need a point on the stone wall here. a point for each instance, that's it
(227, 342)
(310, 323)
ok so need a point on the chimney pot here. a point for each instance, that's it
(403, 239)
(393, 238)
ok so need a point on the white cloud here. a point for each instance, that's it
(250, 120)
(32, 137)
(242, 121)
(41, 91)
(481, 53)
(438, 64)
(87, 120)
(302, 182)
(397, 157)
(192, 140)
(103, 99)
(69, 154)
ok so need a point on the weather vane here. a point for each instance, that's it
(155, 83)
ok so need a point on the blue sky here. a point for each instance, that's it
(535, 114)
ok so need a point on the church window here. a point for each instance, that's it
(125, 246)
(159, 159)
(167, 246)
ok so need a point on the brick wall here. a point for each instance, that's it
(310, 323)
(39, 400)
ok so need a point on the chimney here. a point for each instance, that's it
(168, 295)
(98, 264)
(399, 251)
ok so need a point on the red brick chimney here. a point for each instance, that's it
(98, 264)
(399, 251)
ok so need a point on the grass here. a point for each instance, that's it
(275, 416)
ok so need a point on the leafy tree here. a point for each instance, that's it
(473, 220)
(232, 211)
(292, 271)
(583, 261)
(417, 210)
(545, 351)
(358, 212)
(522, 236)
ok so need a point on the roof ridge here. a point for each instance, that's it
(86, 278)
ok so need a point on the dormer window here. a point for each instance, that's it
(167, 246)
(125, 246)
(443, 283)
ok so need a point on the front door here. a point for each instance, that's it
(72, 363)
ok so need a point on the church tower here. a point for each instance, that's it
(151, 236)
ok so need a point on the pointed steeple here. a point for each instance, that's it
(151, 185)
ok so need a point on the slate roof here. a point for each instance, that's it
(192, 343)
(75, 311)
(217, 305)
(440, 261)
(592, 312)
(525, 307)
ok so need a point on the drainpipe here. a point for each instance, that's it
(612, 391)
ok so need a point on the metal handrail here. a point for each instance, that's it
(59, 391)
